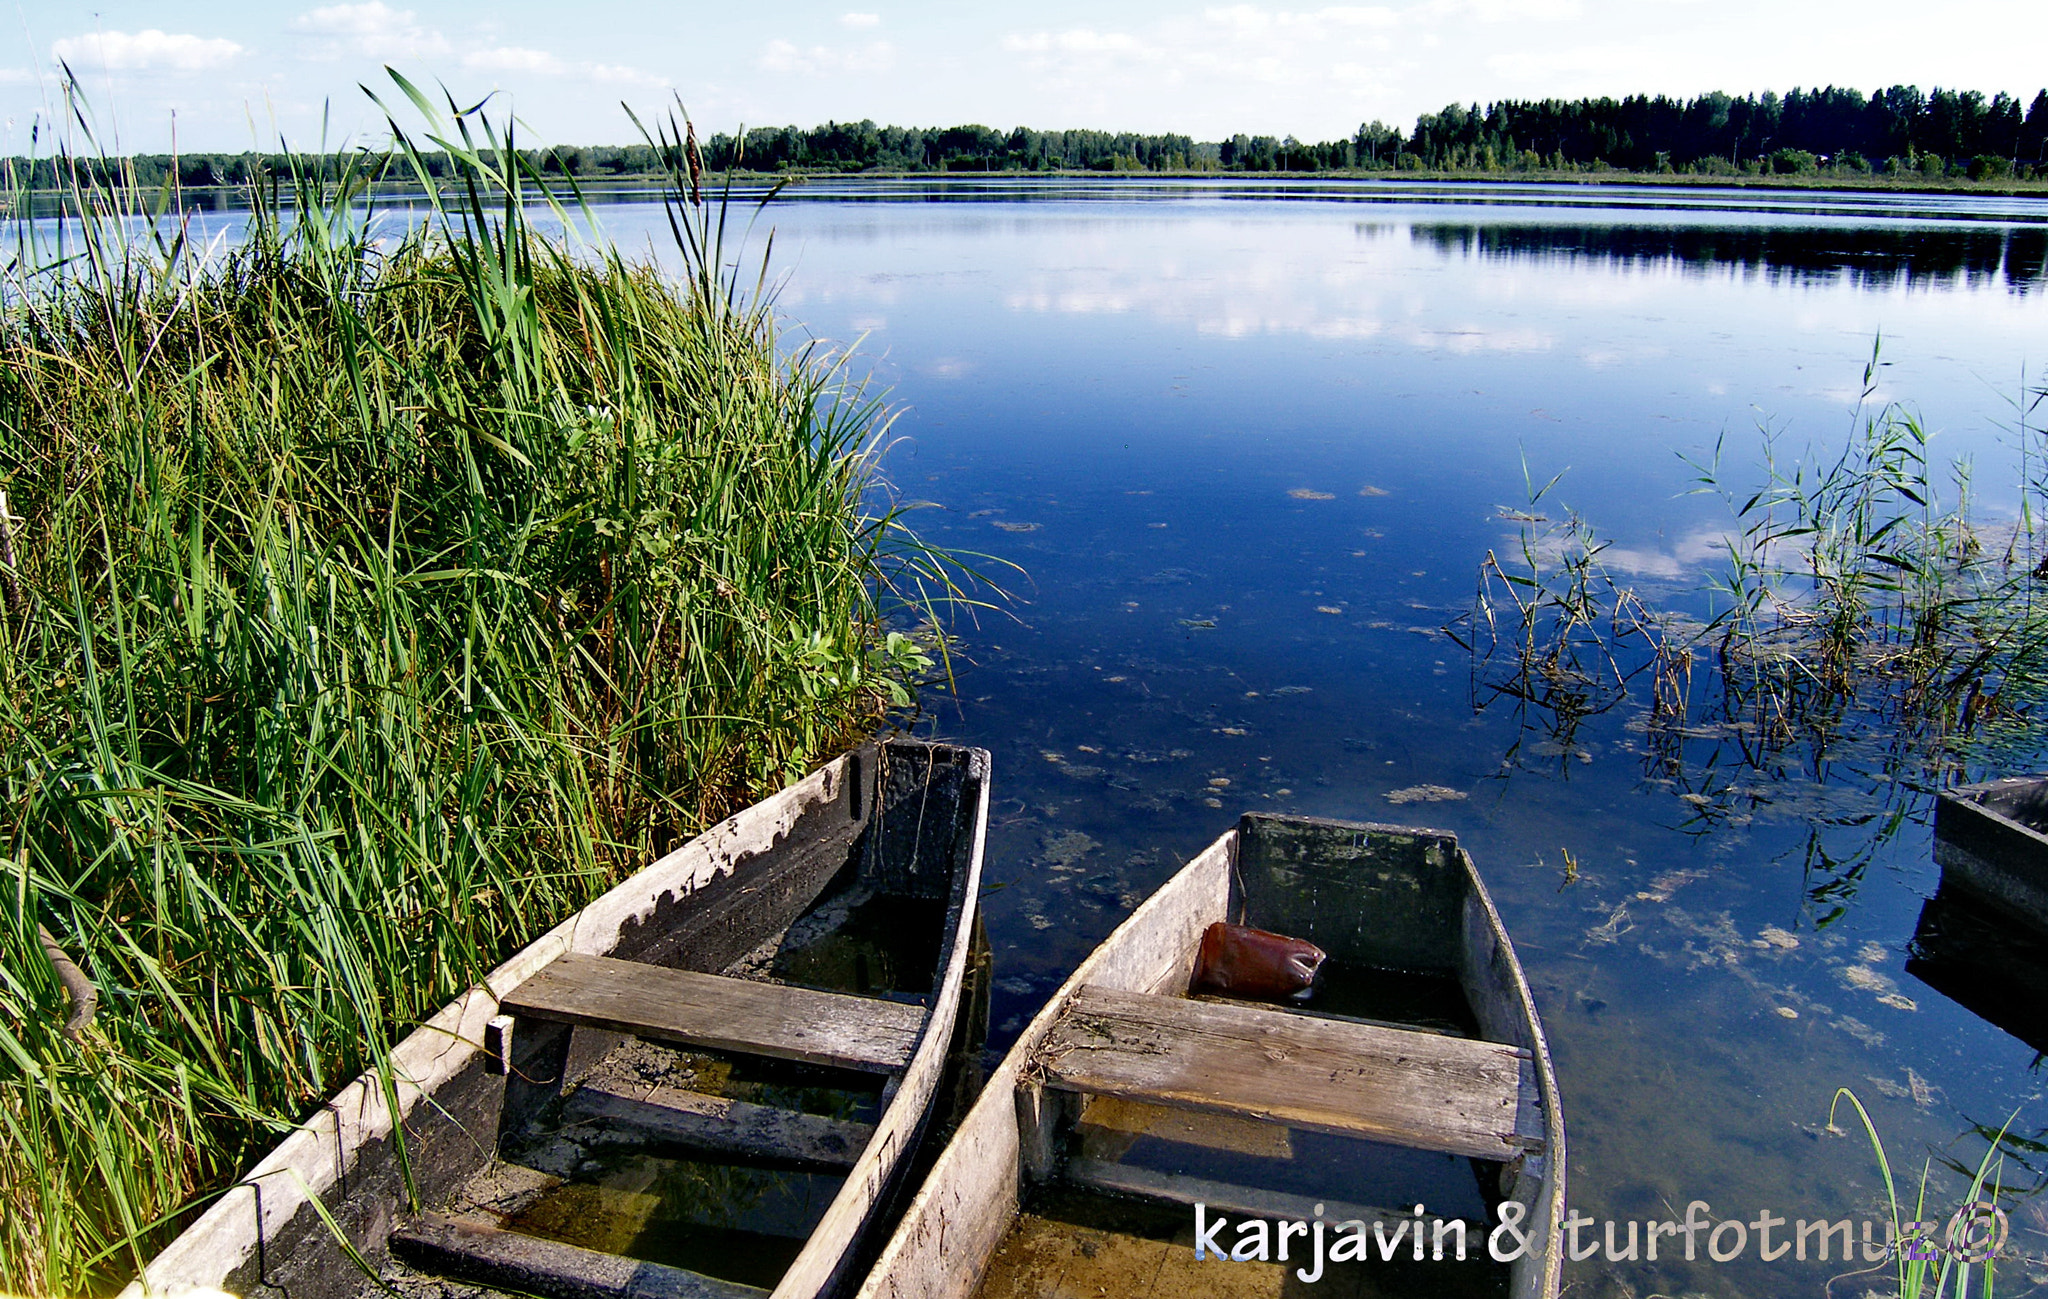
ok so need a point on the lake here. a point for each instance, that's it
(1249, 444)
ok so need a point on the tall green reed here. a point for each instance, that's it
(379, 591)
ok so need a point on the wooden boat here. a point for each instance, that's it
(767, 1007)
(1992, 841)
(1124, 1082)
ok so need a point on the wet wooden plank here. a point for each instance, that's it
(710, 1010)
(1108, 1126)
(716, 1123)
(1239, 1201)
(1312, 1012)
(1420, 1090)
(475, 1249)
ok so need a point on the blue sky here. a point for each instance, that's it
(234, 72)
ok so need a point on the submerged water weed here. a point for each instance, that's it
(375, 593)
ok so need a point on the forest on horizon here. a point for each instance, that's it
(1898, 132)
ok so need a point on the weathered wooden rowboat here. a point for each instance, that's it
(1122, 1060)
(1992, 841)
(768, 1006)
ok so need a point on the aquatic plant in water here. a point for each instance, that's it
(1936, 1259)
(375, 593)
(1862, 614)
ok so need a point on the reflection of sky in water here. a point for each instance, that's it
(1251, 454)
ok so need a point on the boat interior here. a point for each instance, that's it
(679, 1114)
(1407, 1078)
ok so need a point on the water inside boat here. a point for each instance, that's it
(1433, 1001)
(737, 1221)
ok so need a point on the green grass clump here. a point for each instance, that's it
(372, 595)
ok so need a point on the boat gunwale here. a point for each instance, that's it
(820, 1266)
(1990, 854)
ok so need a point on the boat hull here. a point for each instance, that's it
(1991, 840)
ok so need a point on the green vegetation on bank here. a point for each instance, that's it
(371, 596)
(1899, 134)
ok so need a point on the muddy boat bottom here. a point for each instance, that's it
(1076, 1244)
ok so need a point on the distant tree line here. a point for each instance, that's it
(1899, 132)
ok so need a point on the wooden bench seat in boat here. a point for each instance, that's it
(842, 1030)
(1416, 1089)
(477, 1249)
(716, 1123)
(1229, 1198)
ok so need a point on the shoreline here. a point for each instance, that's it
(232, 198)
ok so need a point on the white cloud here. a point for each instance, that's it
(1318, 22)
(1342, 49)
(511, 58)
(1082, 41)
(146, 50)
(621, 74)
(16, 76)
(1504, 11)
(1595, 64)
(786, 57)
(371, 30)
(1297, 64)
(540, 63)
(860, 20)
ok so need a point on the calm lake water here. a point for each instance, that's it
(1250, 443)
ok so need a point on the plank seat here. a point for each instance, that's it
(715, 1123)
(1310, 1012)
(1416, 1089)
(473, 1248)
(1238, 1201)
(837, 1029)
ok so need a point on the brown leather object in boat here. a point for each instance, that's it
(1254, 964)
